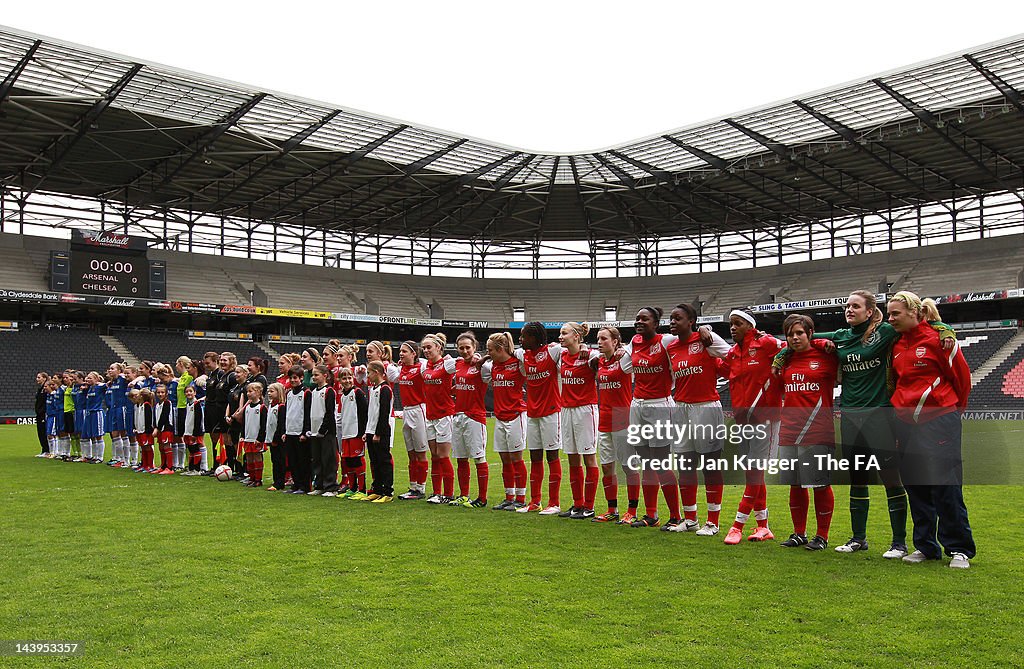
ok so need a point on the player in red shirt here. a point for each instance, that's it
(932, 388)
(652, 404)
(469, 426)
(579, 417)
(755, 400)
(808, 431)
(408, 377)
(695, 356)
(437, 386)
(543, 414)
(614, 395)
(507, 379)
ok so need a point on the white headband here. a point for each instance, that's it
(745, 316)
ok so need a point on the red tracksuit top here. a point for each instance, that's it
(930, 382)
(755, 397)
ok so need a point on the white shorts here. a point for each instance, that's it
(414, 428)
(544, 433)
(510, 435)
(648, 412)
(762, 448)
(703, 422)
(579, 432)
(614, 447)
(440, 430)
(469, 438)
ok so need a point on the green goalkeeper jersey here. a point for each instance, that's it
(864, 364)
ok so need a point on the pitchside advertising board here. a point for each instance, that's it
(106, 263)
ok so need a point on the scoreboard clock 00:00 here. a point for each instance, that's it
(109, 274)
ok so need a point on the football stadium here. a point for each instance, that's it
(288, 383)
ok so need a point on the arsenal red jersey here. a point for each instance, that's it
(615, 393)
(750, 381)
(437, 386)
(471, 389)
(808, 384)
(651, 367)
(409, 379)
(542, 397)
(579, 387)
(695, 370)
(507, 380)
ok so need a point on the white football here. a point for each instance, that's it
(223, 473)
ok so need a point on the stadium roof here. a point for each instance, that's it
(82, 122)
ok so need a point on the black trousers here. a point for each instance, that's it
(41, 433)
(300, 462)
(325, 462)
(279, 464)
(381, 464)
(932, 471)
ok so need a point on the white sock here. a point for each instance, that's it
(134, 450)
(99, 448)
(205, 458)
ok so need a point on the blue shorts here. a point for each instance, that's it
(79, 421)
(118, 419)
(92, 426)
(52, 426)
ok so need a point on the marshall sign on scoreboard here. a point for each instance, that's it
(107, 263)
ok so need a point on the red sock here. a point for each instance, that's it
(508, 480)
(688, 493)
(590, 487)
(824, 504)
(670, 489)
(343, 473)
(649, 483)
(746, 505)
(713, 487)
(610, 482)
(798, 508)
(422, 467)
(760, 497)
(165, 457)
(463, 477)
(447, 477)
(576, 484)
(483, 474)
(435, 476)
(633, 489)
(414, 471)
(519, 469)
(536, 479)
(257, 469)
(554, 481)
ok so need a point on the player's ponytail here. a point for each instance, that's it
(930, 310)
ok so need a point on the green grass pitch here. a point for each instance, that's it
(162, 571)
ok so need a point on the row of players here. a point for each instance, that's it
(586, 403)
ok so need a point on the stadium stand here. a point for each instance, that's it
(1003, 388)
(34, 349)
(971, 266)
(980, 345)
(166, 345)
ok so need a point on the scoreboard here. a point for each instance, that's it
(109, 274)
(106, 263)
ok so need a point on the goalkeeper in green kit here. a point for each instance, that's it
(866, 429)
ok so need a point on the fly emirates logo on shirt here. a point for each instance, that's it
(533, 373)
(800, 384)
(856, 363)
(645, 366)
(684, 369)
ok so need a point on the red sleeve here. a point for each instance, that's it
(959, 375)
